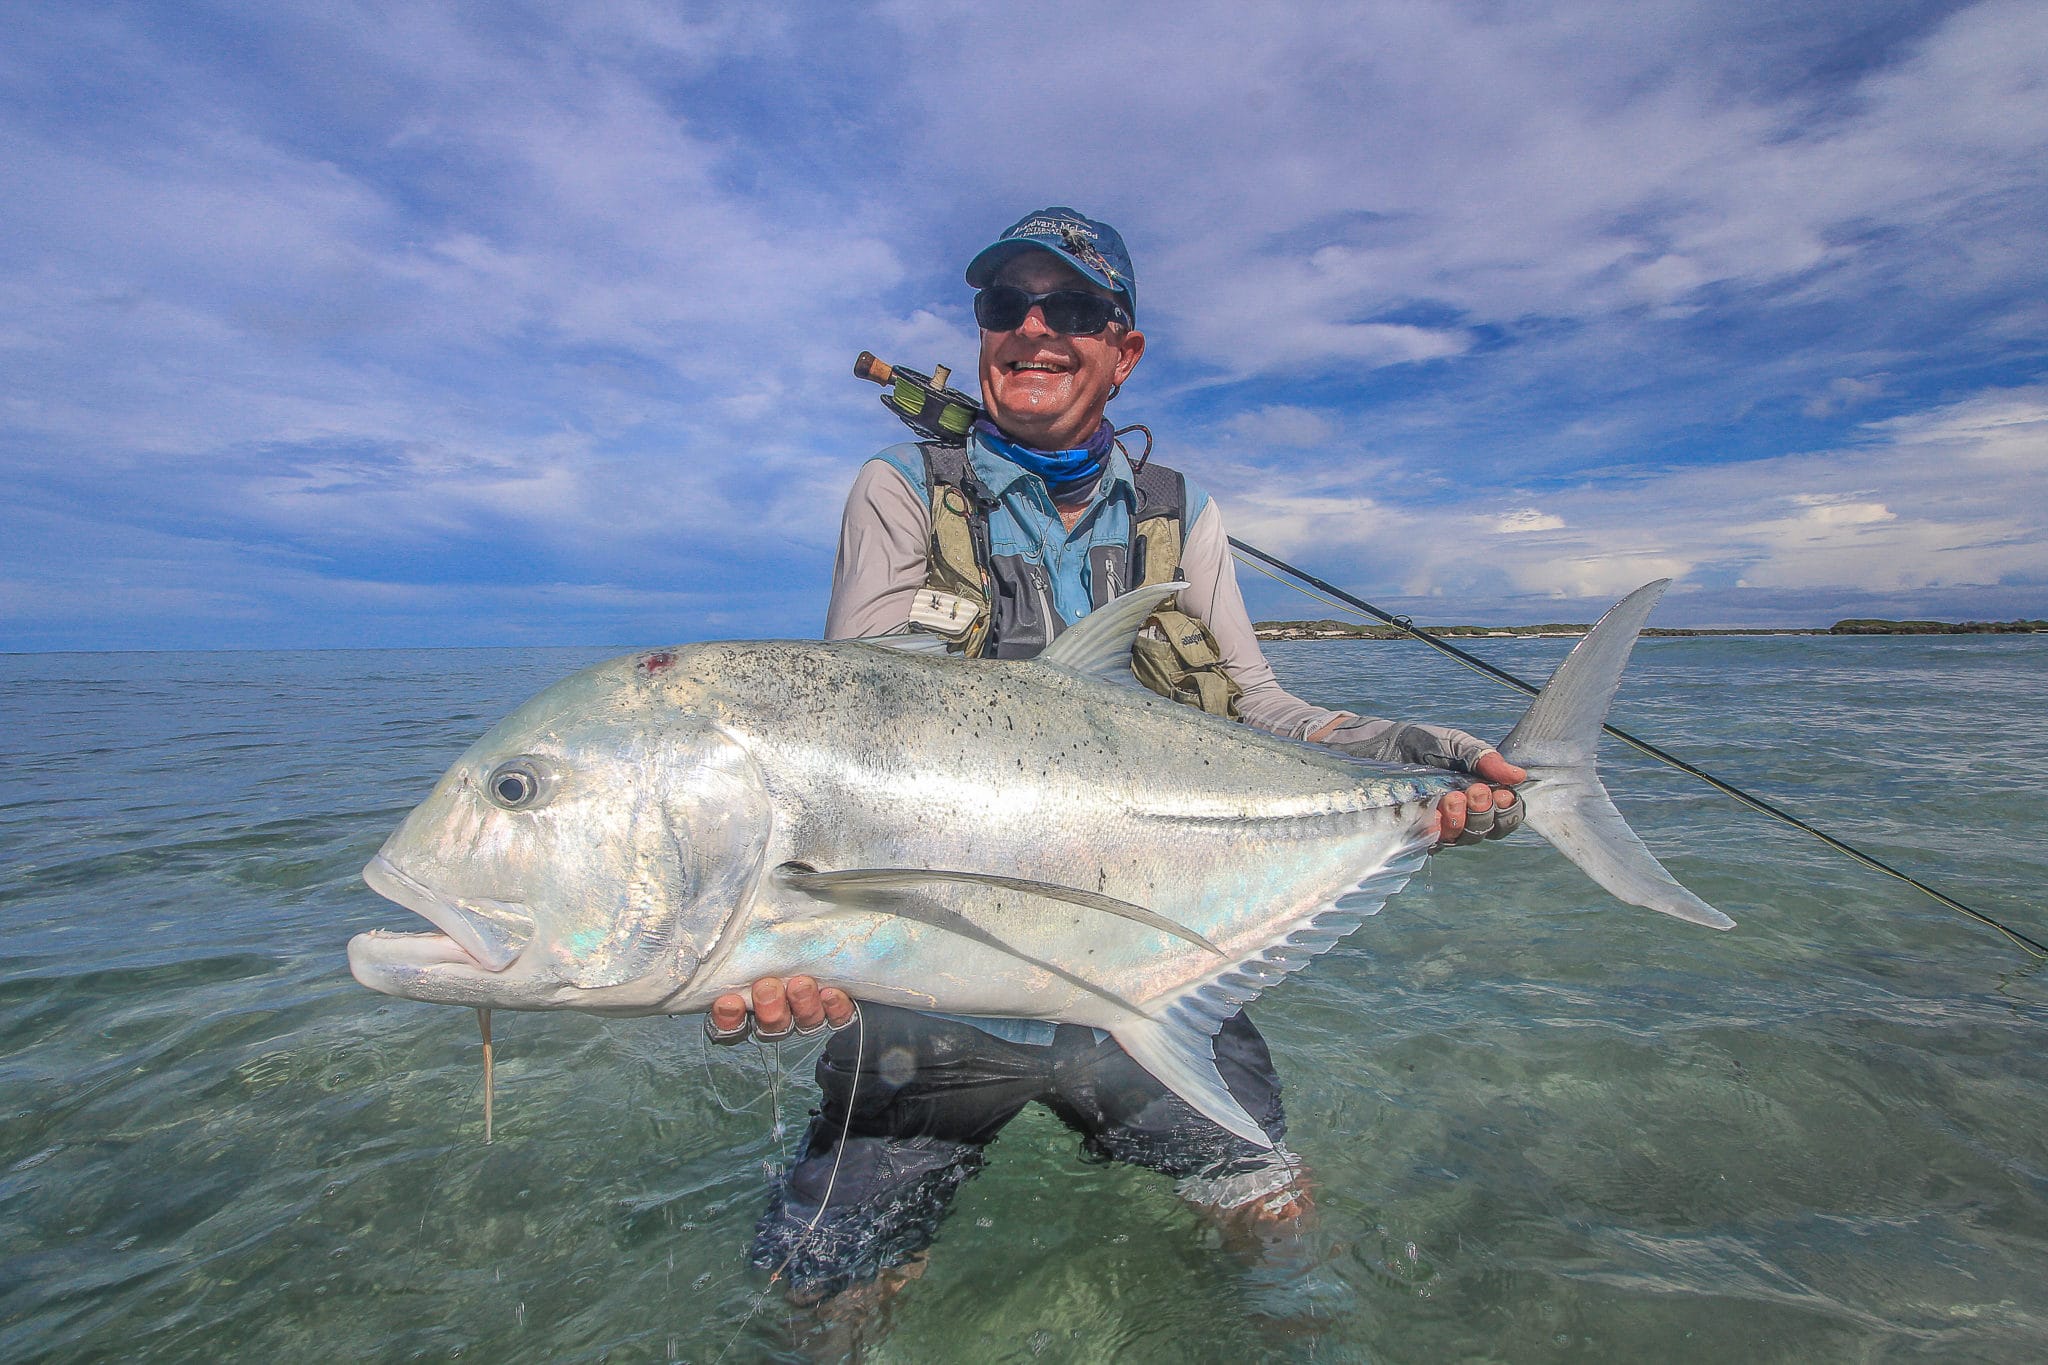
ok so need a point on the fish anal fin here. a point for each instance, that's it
(1183, 1059)
(1176, 1043)
(1206, 1003)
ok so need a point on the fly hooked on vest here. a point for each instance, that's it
(981, 614)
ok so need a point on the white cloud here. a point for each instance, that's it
(1524, 520)
(1842, 394)
(1280, 424)
(1906, 512)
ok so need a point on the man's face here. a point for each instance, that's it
(1044, 389)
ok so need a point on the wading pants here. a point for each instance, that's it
(929, 1094)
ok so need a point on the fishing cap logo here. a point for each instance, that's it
(1077, 239)
(1080, 244)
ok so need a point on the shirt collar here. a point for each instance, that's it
(997, 474)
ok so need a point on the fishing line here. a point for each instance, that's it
(1345, 600)
(483, 1022)
(860, 1042)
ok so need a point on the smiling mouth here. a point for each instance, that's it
(489, 934)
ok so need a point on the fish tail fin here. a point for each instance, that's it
(1183, 1059)
(1557, 741)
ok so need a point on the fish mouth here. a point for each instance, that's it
(485, 933)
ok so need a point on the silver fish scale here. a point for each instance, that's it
(874, 759)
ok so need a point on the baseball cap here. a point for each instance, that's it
(1091, 247)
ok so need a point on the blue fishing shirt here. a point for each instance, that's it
(1026, 523)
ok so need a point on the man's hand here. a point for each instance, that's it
(779, 1008)
(1485, 810)
(1488, 809)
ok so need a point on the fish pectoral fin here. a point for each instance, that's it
(1183, 1059)
(859, 879)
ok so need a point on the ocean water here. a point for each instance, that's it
(1539, 1125)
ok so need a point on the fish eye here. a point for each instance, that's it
(518, 784)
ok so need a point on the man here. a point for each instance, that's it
(1059, 522)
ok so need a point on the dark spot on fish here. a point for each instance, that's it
(655, 662)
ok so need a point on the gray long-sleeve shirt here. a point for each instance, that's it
(885, 535)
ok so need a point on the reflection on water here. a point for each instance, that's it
(1540, 1126)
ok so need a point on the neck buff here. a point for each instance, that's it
(1068, 474)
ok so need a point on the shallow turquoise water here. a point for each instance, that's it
(1541, 1126)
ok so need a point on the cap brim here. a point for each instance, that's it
(982, 270)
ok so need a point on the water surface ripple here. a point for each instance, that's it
(1541, 1126)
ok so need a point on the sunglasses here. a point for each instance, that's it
(1072, 312)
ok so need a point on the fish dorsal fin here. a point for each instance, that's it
(857, 879)
(1098, 646)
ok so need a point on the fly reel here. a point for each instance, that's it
(923, 402)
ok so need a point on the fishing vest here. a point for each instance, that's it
(993, 606)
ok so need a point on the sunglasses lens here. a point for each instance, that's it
(1077, 314)
(1074, 312)
(1001, 308)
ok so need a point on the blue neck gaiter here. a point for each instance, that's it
(1067, 473)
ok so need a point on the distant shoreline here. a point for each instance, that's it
(1561, 630)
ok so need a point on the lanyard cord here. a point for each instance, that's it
(1755, 803)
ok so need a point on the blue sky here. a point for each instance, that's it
(424, 323)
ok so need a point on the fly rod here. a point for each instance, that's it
(1755, 803)
(935, 411)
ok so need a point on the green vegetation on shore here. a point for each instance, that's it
(1861, 625)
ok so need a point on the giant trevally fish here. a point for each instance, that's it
(1040, 839)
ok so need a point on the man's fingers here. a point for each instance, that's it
(1478, 813)
(1507, 814)
(1491, 767)
(1450, 818)
(771, 1006)
(804, 1004)
(726, 1022)
(838, 1006)
(777, 1009)
(728, 1012)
